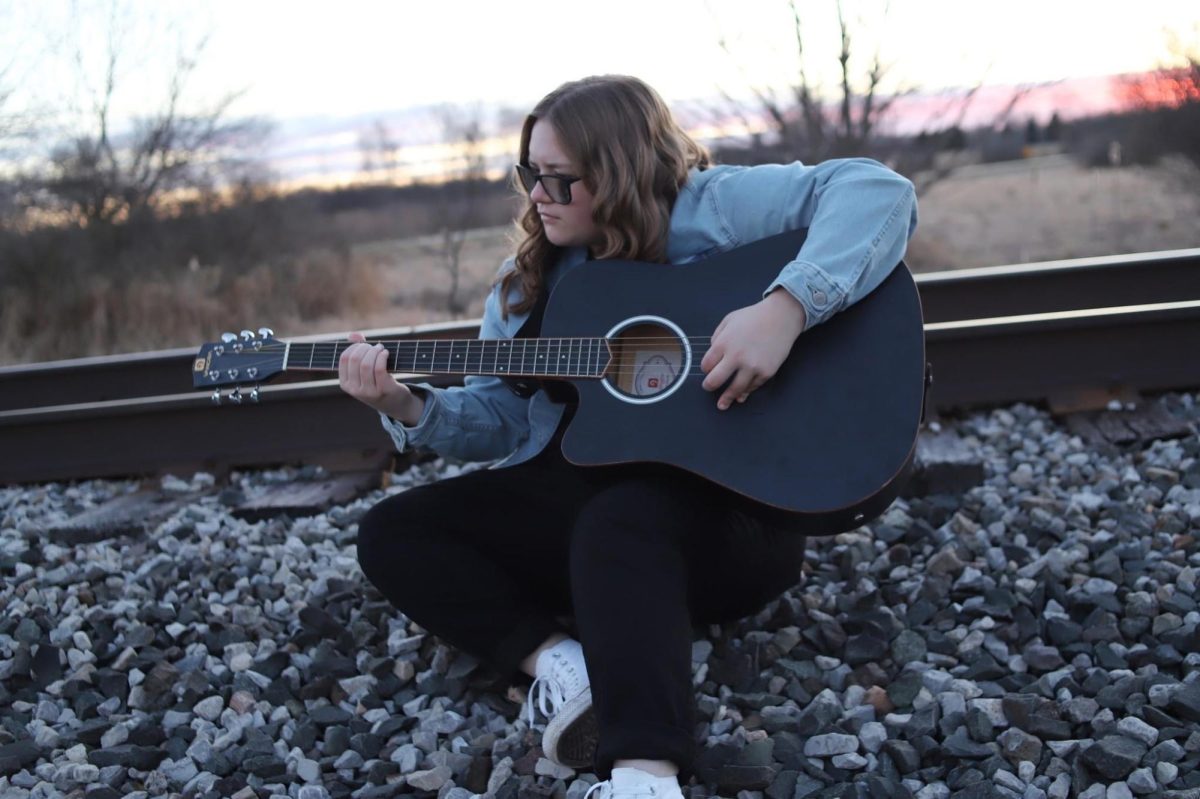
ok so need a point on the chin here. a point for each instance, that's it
(558, 239)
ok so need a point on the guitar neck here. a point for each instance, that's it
(532, 357)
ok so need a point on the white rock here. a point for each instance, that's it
(1142, 781)
(209, 708)
(850, 762)
(1165, 773)
(546, 767)
(872, 734)
(832, 743)
(1006, 779)
(1118, 790)
(992, 708)
(431, 779)
(1136, 728)
(408, 757)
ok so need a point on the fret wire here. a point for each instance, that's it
(311, 353)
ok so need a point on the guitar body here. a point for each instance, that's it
(826, 441)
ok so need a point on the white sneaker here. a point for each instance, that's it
(627, 783)
(570, 736)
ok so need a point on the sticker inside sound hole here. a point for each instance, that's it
(654, 371)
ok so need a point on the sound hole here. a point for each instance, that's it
(647, 360)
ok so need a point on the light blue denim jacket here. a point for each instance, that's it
(859, 213)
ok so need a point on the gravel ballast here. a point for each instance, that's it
(1034, 636)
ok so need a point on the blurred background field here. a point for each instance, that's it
(147, 203)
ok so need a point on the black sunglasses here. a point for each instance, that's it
(557, 186)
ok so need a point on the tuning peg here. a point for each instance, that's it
(216, 396)
(254, 394)
(247, 335)
(265, 332)
(235, 396)
(228, 338)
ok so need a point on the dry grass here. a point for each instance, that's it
(1048, 209)
(413, 283)
(163, 312)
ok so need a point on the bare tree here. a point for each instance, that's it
(19, 119)
(10, 122)
(1173, 84)
(808, 126)
(460, 199)
(1166, 104)
(813, 121)
(380, 152)
(101, 174)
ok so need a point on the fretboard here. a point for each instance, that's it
(534, 357)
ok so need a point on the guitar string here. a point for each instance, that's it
(694, 371)
(320, 350)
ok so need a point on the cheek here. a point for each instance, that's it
(582, 213)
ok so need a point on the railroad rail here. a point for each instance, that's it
(1030, 332)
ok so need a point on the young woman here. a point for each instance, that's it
(500, 562)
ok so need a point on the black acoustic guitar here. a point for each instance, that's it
(826, 441)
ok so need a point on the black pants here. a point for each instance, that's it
(636, 555)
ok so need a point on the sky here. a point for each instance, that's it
(306, 59)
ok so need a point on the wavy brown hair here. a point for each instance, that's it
(633, 158)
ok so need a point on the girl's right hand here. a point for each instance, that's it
(363, 374)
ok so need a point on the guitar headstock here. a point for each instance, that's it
(237, 360)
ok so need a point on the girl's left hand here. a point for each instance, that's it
(750, 344)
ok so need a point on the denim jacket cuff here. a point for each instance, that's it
(813, 288)
(418, 435)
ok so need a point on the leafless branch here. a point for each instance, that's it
(105, 175)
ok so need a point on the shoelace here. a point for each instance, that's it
(560, 682)
(648, 790)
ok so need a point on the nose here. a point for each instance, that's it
(539, 195)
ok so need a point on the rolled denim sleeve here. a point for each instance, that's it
(859, 214)
(481, 420)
